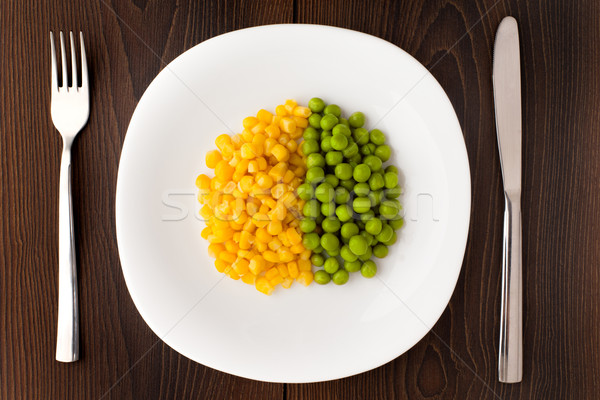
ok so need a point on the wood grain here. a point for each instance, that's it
(130, 41)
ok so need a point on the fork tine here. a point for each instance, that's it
(54, 72)
(73, 62)
(63, 58)
(84, 69)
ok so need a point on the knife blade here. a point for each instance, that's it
(507, 101)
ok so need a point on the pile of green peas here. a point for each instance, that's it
(351, 209)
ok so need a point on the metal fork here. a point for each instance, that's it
(70, 109)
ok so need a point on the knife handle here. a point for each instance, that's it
(510, 359)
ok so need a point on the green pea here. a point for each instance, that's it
(396, 223)
(317, 260)
(341, 129)
(343, 171)
(325, 134)
(322, 277)
(366, 217)
(307, 225)
(391, 168)
(385, 234)
(333, 157)
(352, 266)
(374, 226)
(362, 189)
(332, 180)
(315, 160)
(319, 249)
(333, 109)
(348, 184)
(368, 237)
(310, 241)
(311, 133)
(361, 204)
(357, 119)
(324, 192)
(347, 254)
(344, 122)
(384, 152)
(343, 212)
(310, 146)
(362, 172)
(365, 150)
(356, 159)
(331, 265)
(353, 164)
(349, 229)
(328, 209)
(315, 120)
(368, 269)
(388, 209)
(358, 244)
(331, 224)
(316, 105)
(342, 195)
(361, 136)
(315, 174)
(377, 137)
(373, 162)
(351, 150)
(376, 181)
(340, 277)
(372, 147)
(305, 191)
(311, 209)
(391, 180)
(326, 144)
(329, 241)
(328, 122)
(375, 196)
(367, 255)
(338, 141)
(393, 193)
(334, 252)
(392, 240)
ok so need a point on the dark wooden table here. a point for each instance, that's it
(129, 42)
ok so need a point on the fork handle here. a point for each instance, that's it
(67, 341)
(510, 359)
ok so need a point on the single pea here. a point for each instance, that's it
(373, 162)
(388, 209)
(351, 150)
(343, 212)
(342, 195)
(333, 157)
(377, 137)
(333, 109)
(348, 184)
(315, 160)
(361, 173)
(384, 152)
(319, 249)
(375, 196)
(305, 191)
(372, 147)
(328, 209)
(356, 159)
(332, 180)
(324, 192)
(343, 171)
(362, 189)
(331, 265)
(311, 209)
(329, 241)
(391, 180)
(393, 193)
(375, 242)
(391, 168)
(358, 244)
(315, 175)
(328, 122)
(315, 120)
(365, 150)
(345, 122)
(310, 241)
(341, 129)
(357, 119)
(331, 224)
(352, 266)
(316, 105)
(392, 239)
(340, 277)
(367, 255)
(368, 237)
(333, 252)
(307, 225)
(325, 134)
(311, 133)
(322, 277)
(347, 254)
(374, 226)
(326, 144)
(310, 146)
(361, 136)
(368, 269)
(361, 204)
(396, 223)
(376, 181)
(366, 217)
(339, 142)
(317, 260)
(349, 229)
(385, 234)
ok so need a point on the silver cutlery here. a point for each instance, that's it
(507, 101)
(70, 109)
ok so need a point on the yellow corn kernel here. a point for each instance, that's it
(246, 240)
(285, 255)
(292, 146)
(293, 236)
(305, 278)
(278, 171)
(284, 239)
(241, 266)
(273, 131)
(304, 265)
(260, 246)
(264, 209)
(297, 134)
(281, 111)
(249, 225)
(221, 265)
(249, 122)
(268, 146)
(270, 202)
(246, 183)
(232, 274)
(278, 190)
(256, 264)
(284, 139)
(260, 220)
(231, 247)
(214, 249)
(264, 116)
(229, 187)
(251, 208)
(287, 282)
(276, 281)
(263, 236)
(206, 212)
(248, 151)
(274, 244)
(247, 135)
(279, 212)
(288, 125)
(222, 140)
(293, 269)
(263, 286)
(238, 194)
(237, 175)
(300, 122)
(297, 248)
(223, 170)
(274, 227)
(296, 182)
(305, 255)
(253, 166)
(212, 158)
(280, 152)
(271, 256)
(237, 157)
(206, 232)
(303, 112)
(296, 160)
(203, 182)
(258, 128)
(249, 278)
(272, 273)
(283, 271)
(227, 257)
(288, 176)
(299, 171)
(294, 224)
(237, 141)
(262, 163)
(290, 105)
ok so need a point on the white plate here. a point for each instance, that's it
(303, 334)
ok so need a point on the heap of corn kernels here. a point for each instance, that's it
(250, 205)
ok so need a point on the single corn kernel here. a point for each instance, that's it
(280, 152)
(300, 122)
(256, 264)
(264, 116)
(292, 146)
(283, 271)
(274, 227)
(293, 236)
(206, 233)
(222, 140)
(223, 170)
(258, 128)
(249, 278)
(281, 110)
(288, 125)
(241, 266)
(274, 244)
(221, 265)
(285, 255)
(303, 112)
(305, 255)
(297, 248)
(272, 273)
(273, 131)
(253, 166)
(262, 163)
(293, 269)
(247, 135)
(305, 278)
(304, 265)
(260, 246)
(276, 281)
(231, 246)
(214, 249)
(249, 122)
(237, 141)
(263, 286)
(290, 105)
(248, 151)
(271, 256)
(212, 158)
(287, 283)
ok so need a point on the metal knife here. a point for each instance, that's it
(507, 101)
